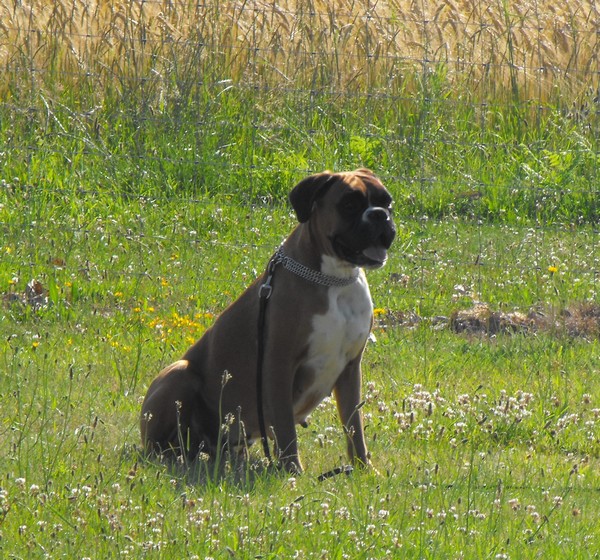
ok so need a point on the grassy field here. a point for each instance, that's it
(146, 150)
(485, 445)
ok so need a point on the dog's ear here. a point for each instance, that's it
(307, 191)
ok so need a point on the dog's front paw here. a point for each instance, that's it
(291, 465)
(365, 464)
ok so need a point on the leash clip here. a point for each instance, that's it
(266, 289)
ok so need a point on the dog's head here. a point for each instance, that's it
(349, 215)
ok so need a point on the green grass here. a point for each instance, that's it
(144, 201)
(440, 157)
(484, 446)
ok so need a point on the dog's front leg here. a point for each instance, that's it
(286, 445)
(279, 416)
(347, 393)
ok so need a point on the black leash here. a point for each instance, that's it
(264, 293)
(346, 469)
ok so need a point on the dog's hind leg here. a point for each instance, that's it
(173, 419)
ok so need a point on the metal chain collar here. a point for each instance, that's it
(311, 275)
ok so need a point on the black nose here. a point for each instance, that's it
(376, 215)
(380, 225)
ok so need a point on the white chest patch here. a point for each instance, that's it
(338, 337)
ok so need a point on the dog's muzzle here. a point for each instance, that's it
(381, 232)
(367, 244)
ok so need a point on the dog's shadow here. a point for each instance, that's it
(229, 468)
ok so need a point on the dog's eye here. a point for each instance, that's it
(352, 204)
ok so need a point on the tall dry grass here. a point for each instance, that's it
(527, 48)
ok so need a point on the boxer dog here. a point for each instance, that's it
(316, 326)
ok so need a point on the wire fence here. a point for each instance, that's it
(482, 118)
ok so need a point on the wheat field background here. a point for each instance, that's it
(536, 45)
